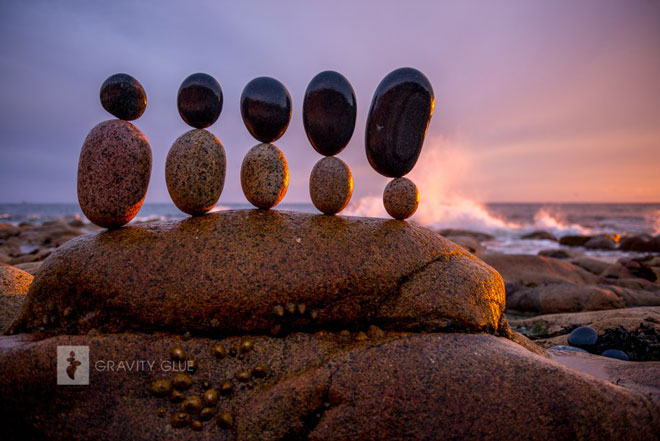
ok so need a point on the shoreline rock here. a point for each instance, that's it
(229, 272)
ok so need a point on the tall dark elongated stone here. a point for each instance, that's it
(199, 100)
(398, 118)
(329, 112)
(266, 108)
(123, 96)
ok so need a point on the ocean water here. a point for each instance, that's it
(506, 222)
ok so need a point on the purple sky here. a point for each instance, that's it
(535, 100)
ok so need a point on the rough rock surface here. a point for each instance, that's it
(324, 386)
(546, 285)
(233, 272)
(14, 284)
(523, 268)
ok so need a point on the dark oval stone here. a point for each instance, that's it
(266, 108)
(199, 100)
(398, 118)
(123, 96)
(329, 112)
(583, 337)
(615, 353)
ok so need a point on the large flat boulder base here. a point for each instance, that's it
(307, 327)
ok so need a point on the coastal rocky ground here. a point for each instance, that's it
(295, 326)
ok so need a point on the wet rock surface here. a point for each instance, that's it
(260, 271)
(635, 331)
(323, 386)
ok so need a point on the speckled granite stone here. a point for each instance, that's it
(330, 185)
(266, 108)
(123, 96)
(14, 284)
(329, 112)
(195, 171)
(264, 176)
(401, 198)
(113, 173)
(400, 113)
(199, 100)
(322, 387)
(14, 281)
(231, 272)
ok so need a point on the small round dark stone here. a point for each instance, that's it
(246, 346)
(206, 414)
(196, 426)
(615, 353)
(206, 385)
(177, 397)
(210, 397)
(123, 96)
(181, 381)
(260, 371)
(177, 354)
(161, 412)
(180, 419)
(583, 337)
(278, 310)
(225, 420)
(160, 388)
(226, 387)
(219, 351)
(398, 118)
(266, 108)
(199, 100)
(192, 405)
(243, 376)
(329, 112)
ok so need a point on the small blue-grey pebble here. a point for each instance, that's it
(582, 337)
(615, 353)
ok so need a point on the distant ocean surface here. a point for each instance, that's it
(505, 221)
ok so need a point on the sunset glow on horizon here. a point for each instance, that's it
(534, 101)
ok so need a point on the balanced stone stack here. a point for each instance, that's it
(115, 161)
(196, 163)
(398, 118)
(270, 325)
(329, 112)
(266, 112)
